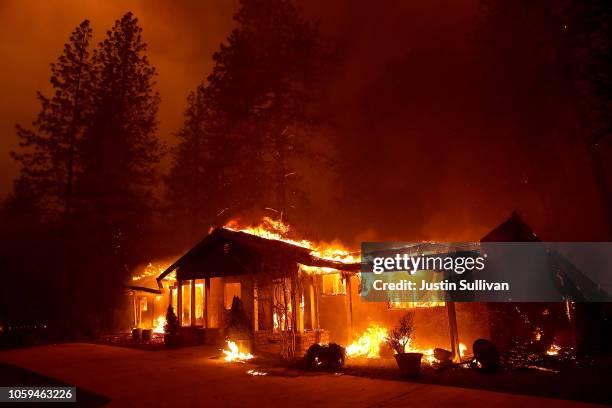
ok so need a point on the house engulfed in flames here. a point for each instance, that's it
(285, 286)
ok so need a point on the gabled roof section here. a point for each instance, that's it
(514, 229)
(210, 253)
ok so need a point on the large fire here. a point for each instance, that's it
(279, 231)
(159, 325)
(369, 343)
(234, 354)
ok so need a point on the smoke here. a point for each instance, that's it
(432, 142)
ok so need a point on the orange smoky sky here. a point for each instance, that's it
(436, 136)
(182, 37)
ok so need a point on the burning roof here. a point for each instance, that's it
(227, 251)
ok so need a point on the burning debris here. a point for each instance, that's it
(368, 344)
(374, 338)
(234, 355)
(256, 373)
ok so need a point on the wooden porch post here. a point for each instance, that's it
(135, 310)
(206, 301)
(311, 303)
(179, 302)
(192, 303)
(297, 306)
(315, 285)
(454, 333)
(349, 297)
(255, 309)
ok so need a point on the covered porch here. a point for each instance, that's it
(276, 282)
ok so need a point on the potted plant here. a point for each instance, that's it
(409, 364)
(171, 328)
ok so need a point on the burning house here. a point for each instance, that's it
(289, 286)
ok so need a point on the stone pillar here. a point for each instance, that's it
(297, 306)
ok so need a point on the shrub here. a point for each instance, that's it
(399, 337)
(239, 325)
(171, 327)
(327, 357)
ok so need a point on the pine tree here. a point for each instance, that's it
(589, 56)
(258, 114)
(120, 150)
(120, 155)
(49, 156)
(195, 187)
(266, 77)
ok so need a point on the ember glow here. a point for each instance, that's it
(553, 350)
(234, 355)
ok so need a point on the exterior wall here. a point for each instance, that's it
(268, 342)
(431, 324)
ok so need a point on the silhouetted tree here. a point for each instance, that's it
(260, 111)
(557, 54)
(48, 155)
(196, 185)
(120, 153)
(588, 52)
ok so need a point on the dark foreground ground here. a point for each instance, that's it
(11, 375)
(587, 383)
(195, 376)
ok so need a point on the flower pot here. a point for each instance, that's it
(147, 334)
(136, 333)
(409, 364)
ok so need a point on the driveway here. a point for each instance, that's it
(192, 377)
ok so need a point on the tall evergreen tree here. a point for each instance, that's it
(564, 58)
(120, 150)
(588, 45)
(260, 111)
(49, 156)
(120, 155)
(195, 184)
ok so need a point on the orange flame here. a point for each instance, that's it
(159, 325)
(368, 345)
(553, 350)
(234, 354)
(279, 231)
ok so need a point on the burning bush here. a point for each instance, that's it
(327, 357)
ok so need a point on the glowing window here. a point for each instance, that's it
(230, 290)
(333, 284)
(413, 305)
(418, 299)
